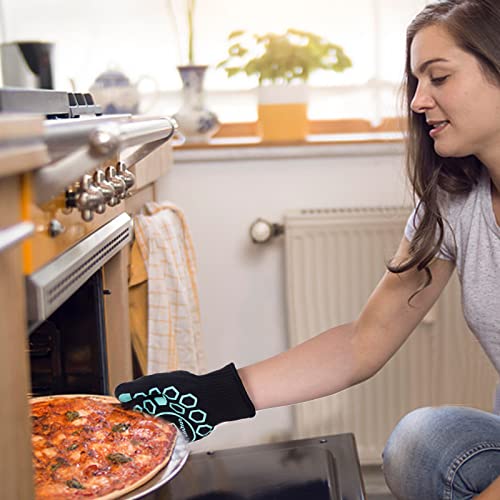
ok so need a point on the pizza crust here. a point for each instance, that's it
(162, 424)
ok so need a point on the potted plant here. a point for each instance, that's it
(282, 64)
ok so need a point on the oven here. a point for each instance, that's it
(76, 262)
(64, 298)
(322, 468)
(66, 314)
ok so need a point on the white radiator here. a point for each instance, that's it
(334, 259)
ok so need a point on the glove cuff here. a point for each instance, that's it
(228, 398)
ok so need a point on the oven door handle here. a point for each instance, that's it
(15, 234)
(103, 141)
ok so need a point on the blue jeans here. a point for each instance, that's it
(443, 453)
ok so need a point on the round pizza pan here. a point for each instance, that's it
(177, 461)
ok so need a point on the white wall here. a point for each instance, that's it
(241, 284)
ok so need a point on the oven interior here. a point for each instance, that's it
(68, 350)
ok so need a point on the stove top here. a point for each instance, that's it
(51, 103)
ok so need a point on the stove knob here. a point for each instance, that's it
(89, 198)
(118, 184)
(100, 209)
(126, 175)
(87, 215)
(106, 187)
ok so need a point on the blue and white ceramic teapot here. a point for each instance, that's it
(116, 94)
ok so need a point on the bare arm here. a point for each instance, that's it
(492, 492)
(348, 354)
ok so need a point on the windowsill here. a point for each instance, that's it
(344, 131)
(317, 145)
(315, 139)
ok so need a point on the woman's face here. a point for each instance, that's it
(461, 106)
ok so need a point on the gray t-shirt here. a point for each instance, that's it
(477, 258)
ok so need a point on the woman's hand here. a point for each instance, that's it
(195, 404)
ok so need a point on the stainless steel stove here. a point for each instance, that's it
(76, 208)
(51, 103)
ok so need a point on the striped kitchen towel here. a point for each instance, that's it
(173, 312)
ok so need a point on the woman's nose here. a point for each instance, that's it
(421, 101)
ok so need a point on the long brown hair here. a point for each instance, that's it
(475, 27)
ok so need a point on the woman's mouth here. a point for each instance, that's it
(438, 127)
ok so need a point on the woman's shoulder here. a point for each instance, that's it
(456, 205)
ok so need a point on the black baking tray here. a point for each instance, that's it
(323, 468)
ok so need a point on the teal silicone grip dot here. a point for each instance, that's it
(125, 397)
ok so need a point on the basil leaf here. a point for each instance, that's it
(118, 458)
(73, 483)
(72, 415)
(120, 427)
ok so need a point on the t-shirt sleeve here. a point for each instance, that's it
(445, 251)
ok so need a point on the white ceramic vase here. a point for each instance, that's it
(195, 121)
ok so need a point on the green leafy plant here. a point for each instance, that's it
(282, 58)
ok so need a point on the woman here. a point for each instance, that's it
(453, 103)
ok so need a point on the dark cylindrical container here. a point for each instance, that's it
(28, 64)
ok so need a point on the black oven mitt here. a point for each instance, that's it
(195, 404)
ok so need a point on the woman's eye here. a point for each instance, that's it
(439, 80)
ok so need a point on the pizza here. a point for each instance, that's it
(90, 447)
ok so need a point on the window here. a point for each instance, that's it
(138, 37)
